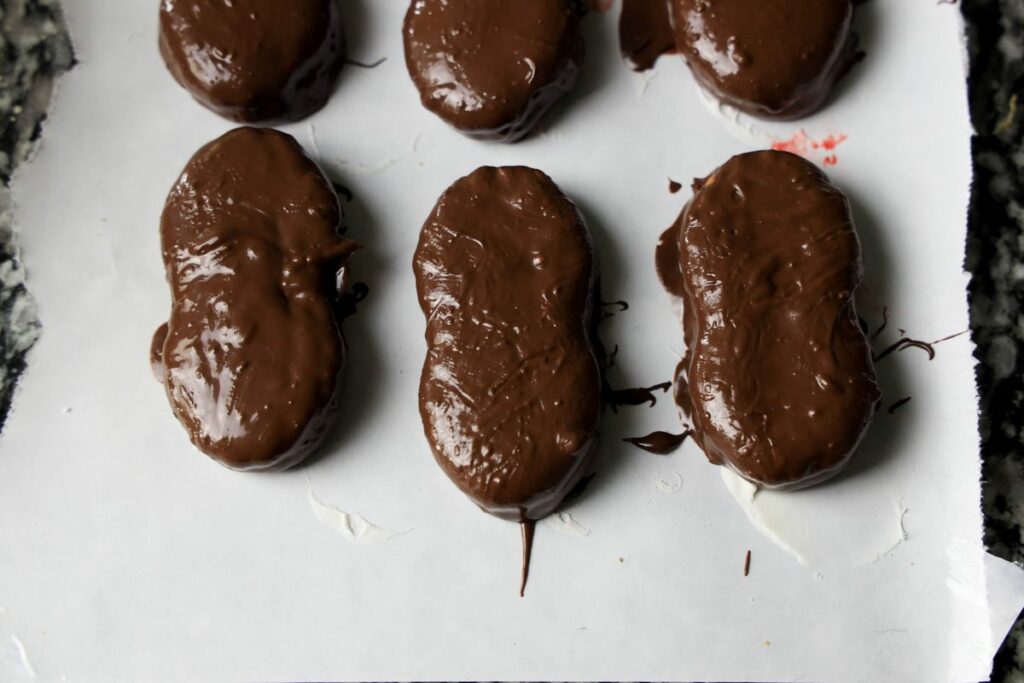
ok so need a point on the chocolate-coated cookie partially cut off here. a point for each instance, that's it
(254, 61)
(252, 354)
(769, 58)
(491, 68)
(510, 393)
(778, 379)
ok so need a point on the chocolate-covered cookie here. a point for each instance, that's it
(769, 58)
(510, 393)
(254, 61)
(491, 68)
(645, 32)
(778, 379)
(252, 354)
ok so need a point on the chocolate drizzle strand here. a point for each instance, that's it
(785, 391)
(906, 343)
(898, 404)
(636, 396)
(527, 529)
(252, 353)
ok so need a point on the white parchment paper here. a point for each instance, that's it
(126, 555)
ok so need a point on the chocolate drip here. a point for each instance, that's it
(527, 528)
(365, 65)
(898, 404)
(885, 323)
(645, 32)
(673, 186)
(623, 305)
(636, 396)
(659, 443)
(906, 343)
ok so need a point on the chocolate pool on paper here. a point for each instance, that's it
(252, 354)
(254, 61)
(778, 380)
(491, 68)
(510, 393)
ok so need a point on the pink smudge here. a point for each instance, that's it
(810, 148)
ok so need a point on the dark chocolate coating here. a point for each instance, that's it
(645, 32)
(778, 379)
(510, 393)
(254, 61)
(491, 68)
(252, 354)
(769, 58)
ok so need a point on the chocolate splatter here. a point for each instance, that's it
(636, 396)
(623, 305)
(906, 343)
(885, 322)
(674, 186)
(746, 565)
(898, 404)
(659, 443)
(364, 65)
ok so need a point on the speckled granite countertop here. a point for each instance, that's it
(34, 49)
(995, 257)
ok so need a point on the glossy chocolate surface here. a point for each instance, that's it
(254, 61)
(491, 68)
(252, 354)
(769, 58)
(778, 379)
(510, 393)
(645, 32)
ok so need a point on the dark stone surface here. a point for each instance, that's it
(34, 49)
(995, 258)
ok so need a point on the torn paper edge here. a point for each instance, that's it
(1004, 585)
(970, 644)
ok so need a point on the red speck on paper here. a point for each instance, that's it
(810, 148)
